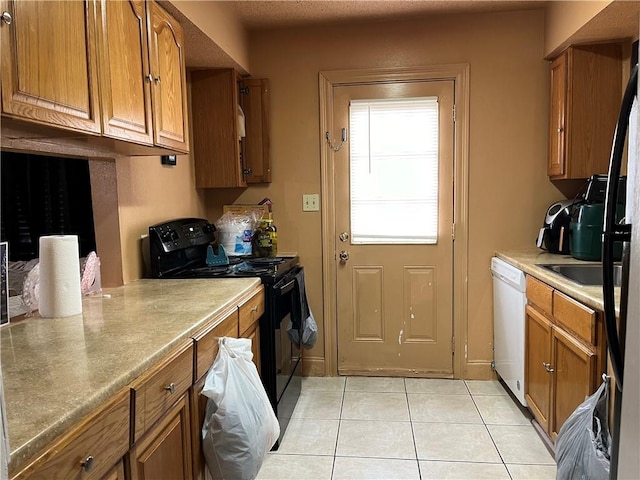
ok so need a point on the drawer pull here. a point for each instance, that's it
(254, 309)
(87, 464)
(547, 367)
(171, 387)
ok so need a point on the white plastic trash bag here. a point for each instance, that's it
(240, 426)
(583, 447)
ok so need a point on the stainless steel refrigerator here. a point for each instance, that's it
(623, 333)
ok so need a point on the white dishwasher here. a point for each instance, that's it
(509, 301)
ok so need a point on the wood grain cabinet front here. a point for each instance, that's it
(206, 343)
(222, 103)
(250, 312)
(142, 74)
(586, 90)
(565, 352)
(49, 68)
(159, 388)
(90, 450)
(165, 451)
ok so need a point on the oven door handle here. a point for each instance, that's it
(287, 287)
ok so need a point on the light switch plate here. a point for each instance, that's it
(311, 202)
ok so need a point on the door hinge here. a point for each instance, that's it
(453, 231)
(453, 344)
(244, 90)
(454, 112)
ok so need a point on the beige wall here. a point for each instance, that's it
(564, 19)
(217, 20)
(149, 193)
(509, 190)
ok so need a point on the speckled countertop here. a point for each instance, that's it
(56, 371)
(529, 260)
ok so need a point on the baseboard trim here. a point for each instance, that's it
(313, 367)
(479, 371)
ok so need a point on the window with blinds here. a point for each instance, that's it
(394, 171)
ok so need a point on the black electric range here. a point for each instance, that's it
(184, 248)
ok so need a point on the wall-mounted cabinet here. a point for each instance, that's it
(586, 90)
(223, 156)
(142, 74)
(49, 66)
(111, 69)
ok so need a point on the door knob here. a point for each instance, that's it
(344, 256)
(6, 18)
(547, 367)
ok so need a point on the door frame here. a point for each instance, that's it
(459, 73)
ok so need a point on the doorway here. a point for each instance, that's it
(392, 256)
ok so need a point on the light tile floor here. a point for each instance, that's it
(394, 428)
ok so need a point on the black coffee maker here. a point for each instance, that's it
(554, 235)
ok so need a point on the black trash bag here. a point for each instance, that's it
(583, 447)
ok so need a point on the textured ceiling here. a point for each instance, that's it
(265, 14)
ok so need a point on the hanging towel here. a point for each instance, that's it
(302, 328)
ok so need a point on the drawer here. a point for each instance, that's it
(158, 389)
(540, 294)
(207, 342)
(100, 440)
(576, 317)
(251, 310)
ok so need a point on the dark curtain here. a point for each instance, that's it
(44, 196)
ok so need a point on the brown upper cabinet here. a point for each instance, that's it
(115, 69)
(586, 90)
(49, 72)
(142, 74)
(222, 156)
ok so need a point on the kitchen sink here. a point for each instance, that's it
(590, 274)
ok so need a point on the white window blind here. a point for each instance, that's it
(394, 171)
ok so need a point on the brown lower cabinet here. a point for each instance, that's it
(562, 367)
(150, 429)
(165, 451)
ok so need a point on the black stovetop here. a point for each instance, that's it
(269, 269)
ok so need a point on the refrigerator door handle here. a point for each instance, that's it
(613, 232)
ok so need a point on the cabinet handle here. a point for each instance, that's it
(6, 18)
(171, 387)
(254, 309)
(560, 129)
(157, 79)
(547, 367)
(247, 171)
(87, 463)
(148, 78)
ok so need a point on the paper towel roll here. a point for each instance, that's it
(59, 276)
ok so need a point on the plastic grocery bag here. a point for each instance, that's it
(240, 426)
(583, 447)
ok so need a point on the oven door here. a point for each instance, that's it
(286, 361)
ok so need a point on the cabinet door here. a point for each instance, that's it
(116, 473)
(573, 377)
(537, 364)
(214, 106)
(49, 71)
(557, 122)
(169, 90)
(125, 89)
(165, 451)
(256, 104)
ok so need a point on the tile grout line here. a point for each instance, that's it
(413, 433)
(484, 423)
(335, 450)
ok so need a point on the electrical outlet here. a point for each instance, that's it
(311, 202)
